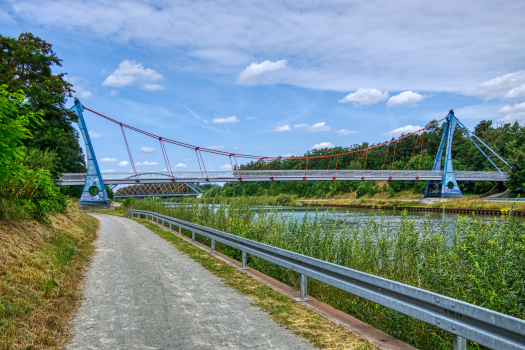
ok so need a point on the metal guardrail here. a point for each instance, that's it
(504, 199)
(466, 321)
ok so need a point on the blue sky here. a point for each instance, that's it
(278, 77)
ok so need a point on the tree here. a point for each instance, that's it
(13, 131)
(26, 65)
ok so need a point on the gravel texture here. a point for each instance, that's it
(142, 293)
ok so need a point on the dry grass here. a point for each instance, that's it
(40, 269)
(287, 312)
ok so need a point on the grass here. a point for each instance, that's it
(287, 312)
(478, 263)
(41, 267)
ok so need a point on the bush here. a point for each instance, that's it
(284, 199)
(361, 191)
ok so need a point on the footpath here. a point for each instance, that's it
(142, 293)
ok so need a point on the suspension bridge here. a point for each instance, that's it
(442, 179)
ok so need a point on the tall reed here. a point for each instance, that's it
(482, 264)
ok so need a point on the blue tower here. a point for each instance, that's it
(94, 192)
(448, 186)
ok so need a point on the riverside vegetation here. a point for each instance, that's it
(482, 264)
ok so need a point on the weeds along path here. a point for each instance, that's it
(142, 293)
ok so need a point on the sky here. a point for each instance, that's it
(276, 78)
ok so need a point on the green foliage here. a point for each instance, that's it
(26, 65)
(466, 259)
(110, 193)
(361, 190)
(14, 124)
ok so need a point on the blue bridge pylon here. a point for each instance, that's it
(94, 192)
(448, 186)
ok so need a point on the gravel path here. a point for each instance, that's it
(142, 293)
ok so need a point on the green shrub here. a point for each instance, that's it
(361, 191)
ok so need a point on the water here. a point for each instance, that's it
(361, 218)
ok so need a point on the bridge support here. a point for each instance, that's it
(94, 192)
(448, 186)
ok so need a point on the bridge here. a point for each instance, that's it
(154, 189)
(442, 180)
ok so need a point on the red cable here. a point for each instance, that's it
(305, 169)
(420, 154)
(204, 166)
(182, 144)
(262, 163)
(335, 170)
(412, 156)
(300, 163)
(129, 153)
(238, 169)
(393, 157)
(197, 155)
(268, 163)
(366, 159)
(356, 164)
(382, 168)
(166, 159)
(330, 161)
(233, 169)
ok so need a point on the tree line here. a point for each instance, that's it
(508, 140)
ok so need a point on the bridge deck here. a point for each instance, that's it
(70, 179)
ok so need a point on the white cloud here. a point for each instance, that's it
(248, 76)
(180, 165)
(147, 150)
(109, 160)
(404, 98)
(147, 163)
(514, 113)
(323, 145)
(217, 148)
(152, 87)
(113, 93)
(334, 46)
(129, 72)
(250, 118)
(297, 126)
(107, 171)
(403, 130)
(227, 120)
(123, 163)
(94, 135)
(365, 97)
(508, 86)
(226, 167)
(319, 127)
(287, 155)
(79, 89)
(283, 128)
(516, 93)
(345, 132)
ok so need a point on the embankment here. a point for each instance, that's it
(41, 266)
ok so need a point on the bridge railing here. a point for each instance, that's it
(289, 175)
(465, 321)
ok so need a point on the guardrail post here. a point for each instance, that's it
(460, 343)
(180, 231)
(192, 237)
(213, 246)
(304, 291)
(170, 227)
(244, 259)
